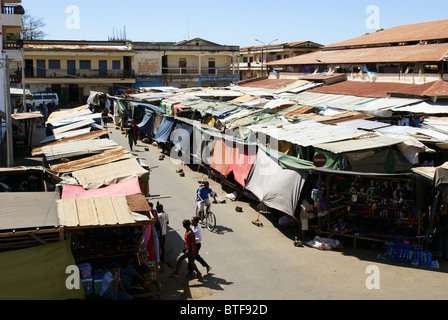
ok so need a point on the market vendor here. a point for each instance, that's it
(112, 287)
(306, 212)
(130, 276)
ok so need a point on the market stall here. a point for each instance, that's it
(34, 253)
(366, 206)
(111, 229)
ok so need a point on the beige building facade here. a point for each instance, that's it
(253, 60)
(74, 68)
(191, 63)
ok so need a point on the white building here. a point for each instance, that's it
(11, 22)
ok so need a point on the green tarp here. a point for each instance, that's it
(38, 273)
(287, 162)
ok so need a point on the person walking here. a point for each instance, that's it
(164, 221)
(188, 253)
(135, 129)
(130, 136)
(198, 239)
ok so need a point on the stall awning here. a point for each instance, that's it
(28, 210)
(108, 174)
(78, 148)
(147, 124)
(164, 130)
(243, 160)
(38, 273)
(123, 188)
(276, 187)
(362, 174)
(98, 212)
(96, 160)
(358, 144)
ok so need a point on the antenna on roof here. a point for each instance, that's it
(119, 36)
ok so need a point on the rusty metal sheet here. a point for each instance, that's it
(138, 203)
(99, 159)
(85, 136)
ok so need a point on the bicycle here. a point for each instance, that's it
(209, 217)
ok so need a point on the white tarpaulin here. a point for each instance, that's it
(276, 187)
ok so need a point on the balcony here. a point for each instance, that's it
(13, 45)
(209, 72)
(8, 9)
(13, 78)
(77, 74)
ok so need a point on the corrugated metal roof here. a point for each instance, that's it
(96, 212)
(364, 124)
(358, 144)
(86, 136)
(100, 159)
(425, 108)
(64, 135)
(77, 148)
(307, 132)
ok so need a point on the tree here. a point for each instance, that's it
(32, 28)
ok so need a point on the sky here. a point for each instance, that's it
(229, 22)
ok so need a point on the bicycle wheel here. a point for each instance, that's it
(211, 221)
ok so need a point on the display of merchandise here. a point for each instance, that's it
(97, 243)
(370, 208)
(412, 255)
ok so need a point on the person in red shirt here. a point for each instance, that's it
(189, 252)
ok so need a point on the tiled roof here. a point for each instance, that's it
(433, 30)
(392, 54)
(269, 83)
(383, 89)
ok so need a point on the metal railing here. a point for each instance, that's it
(8, 9)
(13, 78)
(12, 45)
(209, 71)
(80, 73)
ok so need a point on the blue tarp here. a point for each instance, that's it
(148, 106)
(182, 138)
(147, 124)
(164, 130)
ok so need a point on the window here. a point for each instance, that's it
(85, 64)
(431, 68)
(286, 56)
(54, 64)
(116, 64)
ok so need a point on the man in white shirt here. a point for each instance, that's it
(164, 221)
(198, 237)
